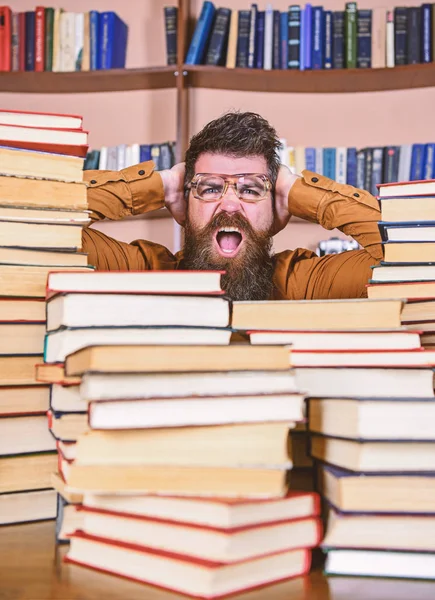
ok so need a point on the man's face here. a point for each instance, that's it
(232, 234)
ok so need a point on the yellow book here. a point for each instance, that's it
(56, 39)
(232, 40)
(86, 56)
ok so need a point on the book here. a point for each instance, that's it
(368, 456)
(400, 35)
(418, 310)
(334, 340)
(294, 36)
(24, 507)
(66, 398)
(25, 163)
(53, 258)
(405, 162)
(26, 472)
(5, 38)
(318, 38)
(315, 314)
(350, 33)
(86, 54)
(373, 419)
(29, 41)
(24, 400)
(60, 486)
(343, 383)
(252, 35)
(413, 208)
(41, 235)
(232, 40)
(133, 359)
(247, 444)
(244, 22)
(307, 35)
(218, 39)
(21, 338)
(338, 37)
(39, 38)
(375, 493)
(136, 310)
(15, 42)
(201, 34)
(27, 281)
(171, 20)
(409, 290)
(327, 19)
(206, 410)
(22, 309)
(133, 562)
(276, 40)
(54, 373)
(417, 162)
(58, 141)
(18, 370)
(363, 358)
(67, 41)
(379, 38)
(79, 40)
(202, 542)
(24, 214)
(67, 426)
(60, 343)
(21, 41)
(22, 191)
(113, 35)
(68, 519)
(413, 21)
(94, 42)
(364, 38)
(24, 435)
(283, 37)
(409, 252)
(426, 33)
(97, 386)
(375, 563)
(391, 164)
(402, 273)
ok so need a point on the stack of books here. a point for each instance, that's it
(42, 212)
(371, 415)
(408, 270)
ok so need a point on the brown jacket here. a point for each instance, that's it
(298, 273)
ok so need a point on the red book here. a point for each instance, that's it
(39, 38)
(5, 39)
(22, 41)
(71, 142)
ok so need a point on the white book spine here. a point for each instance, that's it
(379, 52)
(128, 155)
(103, 158)
(390, 39)
(121, 152)
(268, 37)
(135, 154)
(319, 161)
(79, 40)
(112, 158)
(341, 165)
(56, 40)
(405, 162)
(67, 41)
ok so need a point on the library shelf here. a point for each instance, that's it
(77, 82)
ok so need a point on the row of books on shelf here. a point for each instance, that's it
(364, 168)
(115, 158)
(49, 39)
(306, 37)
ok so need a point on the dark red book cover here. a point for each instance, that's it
(22, 41)
(5, 38)
(39, 38)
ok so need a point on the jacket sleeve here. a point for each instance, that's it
(115, 195)
(301, 273)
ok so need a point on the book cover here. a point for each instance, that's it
(259, 40)
(276, 52)
(379, 38)
(268, 38)
(391, 164)
(360, 169)
(319, 161)
(377, 170)
(171, 18)
(417, 162)
(327, 27)
(338, 39)
(39, 38)
(426, 33)
(86, 53)
(67, 41)
(429, 163)
(113, 41)
(5, 38)
(310, 159)
(252, 36)
(350, 18)
(302, 42)
(400, 35)
(145, 152)
(284, 40)
(308, 36)
(243, 38)
(413, 35)
(364, 39)
(196, 51)
(294, 36)
(317, 47)
(94, 39)
(22, 41)
(15, 42)
(351, 178)
(368, 171)
(219, 37)
(56, 66)
(30, 40)
(341, 165)
(232, 40)
(329, 156)
(49, 24)
(79, 40)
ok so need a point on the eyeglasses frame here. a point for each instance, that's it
(230, 180)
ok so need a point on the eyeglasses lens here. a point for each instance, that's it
(249, 188)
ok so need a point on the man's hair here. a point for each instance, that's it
(237, 134)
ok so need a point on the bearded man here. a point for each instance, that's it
(232, 195)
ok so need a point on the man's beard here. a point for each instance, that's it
(249, 274)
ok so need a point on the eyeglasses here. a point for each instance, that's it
(249, 187)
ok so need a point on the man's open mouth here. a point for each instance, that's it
(228, 241)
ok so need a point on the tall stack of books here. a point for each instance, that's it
(408, 269)
(371, 416)
(42, 211)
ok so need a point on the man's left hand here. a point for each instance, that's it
(284, 183)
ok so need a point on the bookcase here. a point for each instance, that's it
(150, 101)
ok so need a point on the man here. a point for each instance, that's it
(232, 196)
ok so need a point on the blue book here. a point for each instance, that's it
(417, 162)
(243, 38)
(364, 39)
(171, 18)
(252, 35)
(93, 39)
(284, 40)
(377, 169)
(426, 29)
(310, 159)
(360, 168)
(351, 167)
(294, 36)
(302, 42)
(308, 35)
(327, 39)
(429, 162)
(338, 39)
(196, 51)
(219, 35)
(145, 152)
(317, 38)
(113, 41)
(329, 162)
(276, 49)
(30, 40)
(259, 40)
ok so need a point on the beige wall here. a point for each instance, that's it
(397, 117)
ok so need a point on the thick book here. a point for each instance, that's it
(403, 252)
(338, 38)
(42, 165)
(204, 542)
(328, 44)
(171, 20)
(46, 139)
(21, 338)
(375, 563)
(24, 214)
(136, 310)
(25, 435)
(374, 456)
(187, 575)
(407, 189)
(41, 235)
(316, 314)
(413, 35)
(13, 255)
(419, 209)
(28, 281)
(410, 290)
(364, 39)
(418, 357)
(377, 493)
(419, 310)
(113, 34)
(48, 42)
(27, 506)
(26, 472)
(276, 37)
(22, 310)
(252, 36)
(5, 38)
(195, 53)
(411, 231)
(25, 191)
(350, 35)
(318, 39)
(24, 400)
(400, 35)
(105, 386)
(39, 38)
(216, 51)
(221, 445)
(67, 426)
(259, 40)
(244, 23)
(352, 382)
(294, 36)
(400, 273)
(18, 370)
(172, 359)
(206, 410)
(225, 513)
(417, 162)
(373, 419)
(29, 41)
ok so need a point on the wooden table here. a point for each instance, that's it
(31, 568)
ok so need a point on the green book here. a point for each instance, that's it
(350, 35)
(49, 22)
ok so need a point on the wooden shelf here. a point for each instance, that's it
(321, 81)
(110, 80)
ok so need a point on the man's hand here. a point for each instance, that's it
(173, 183)
(284, 183)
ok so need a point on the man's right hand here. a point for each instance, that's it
(173, 183)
